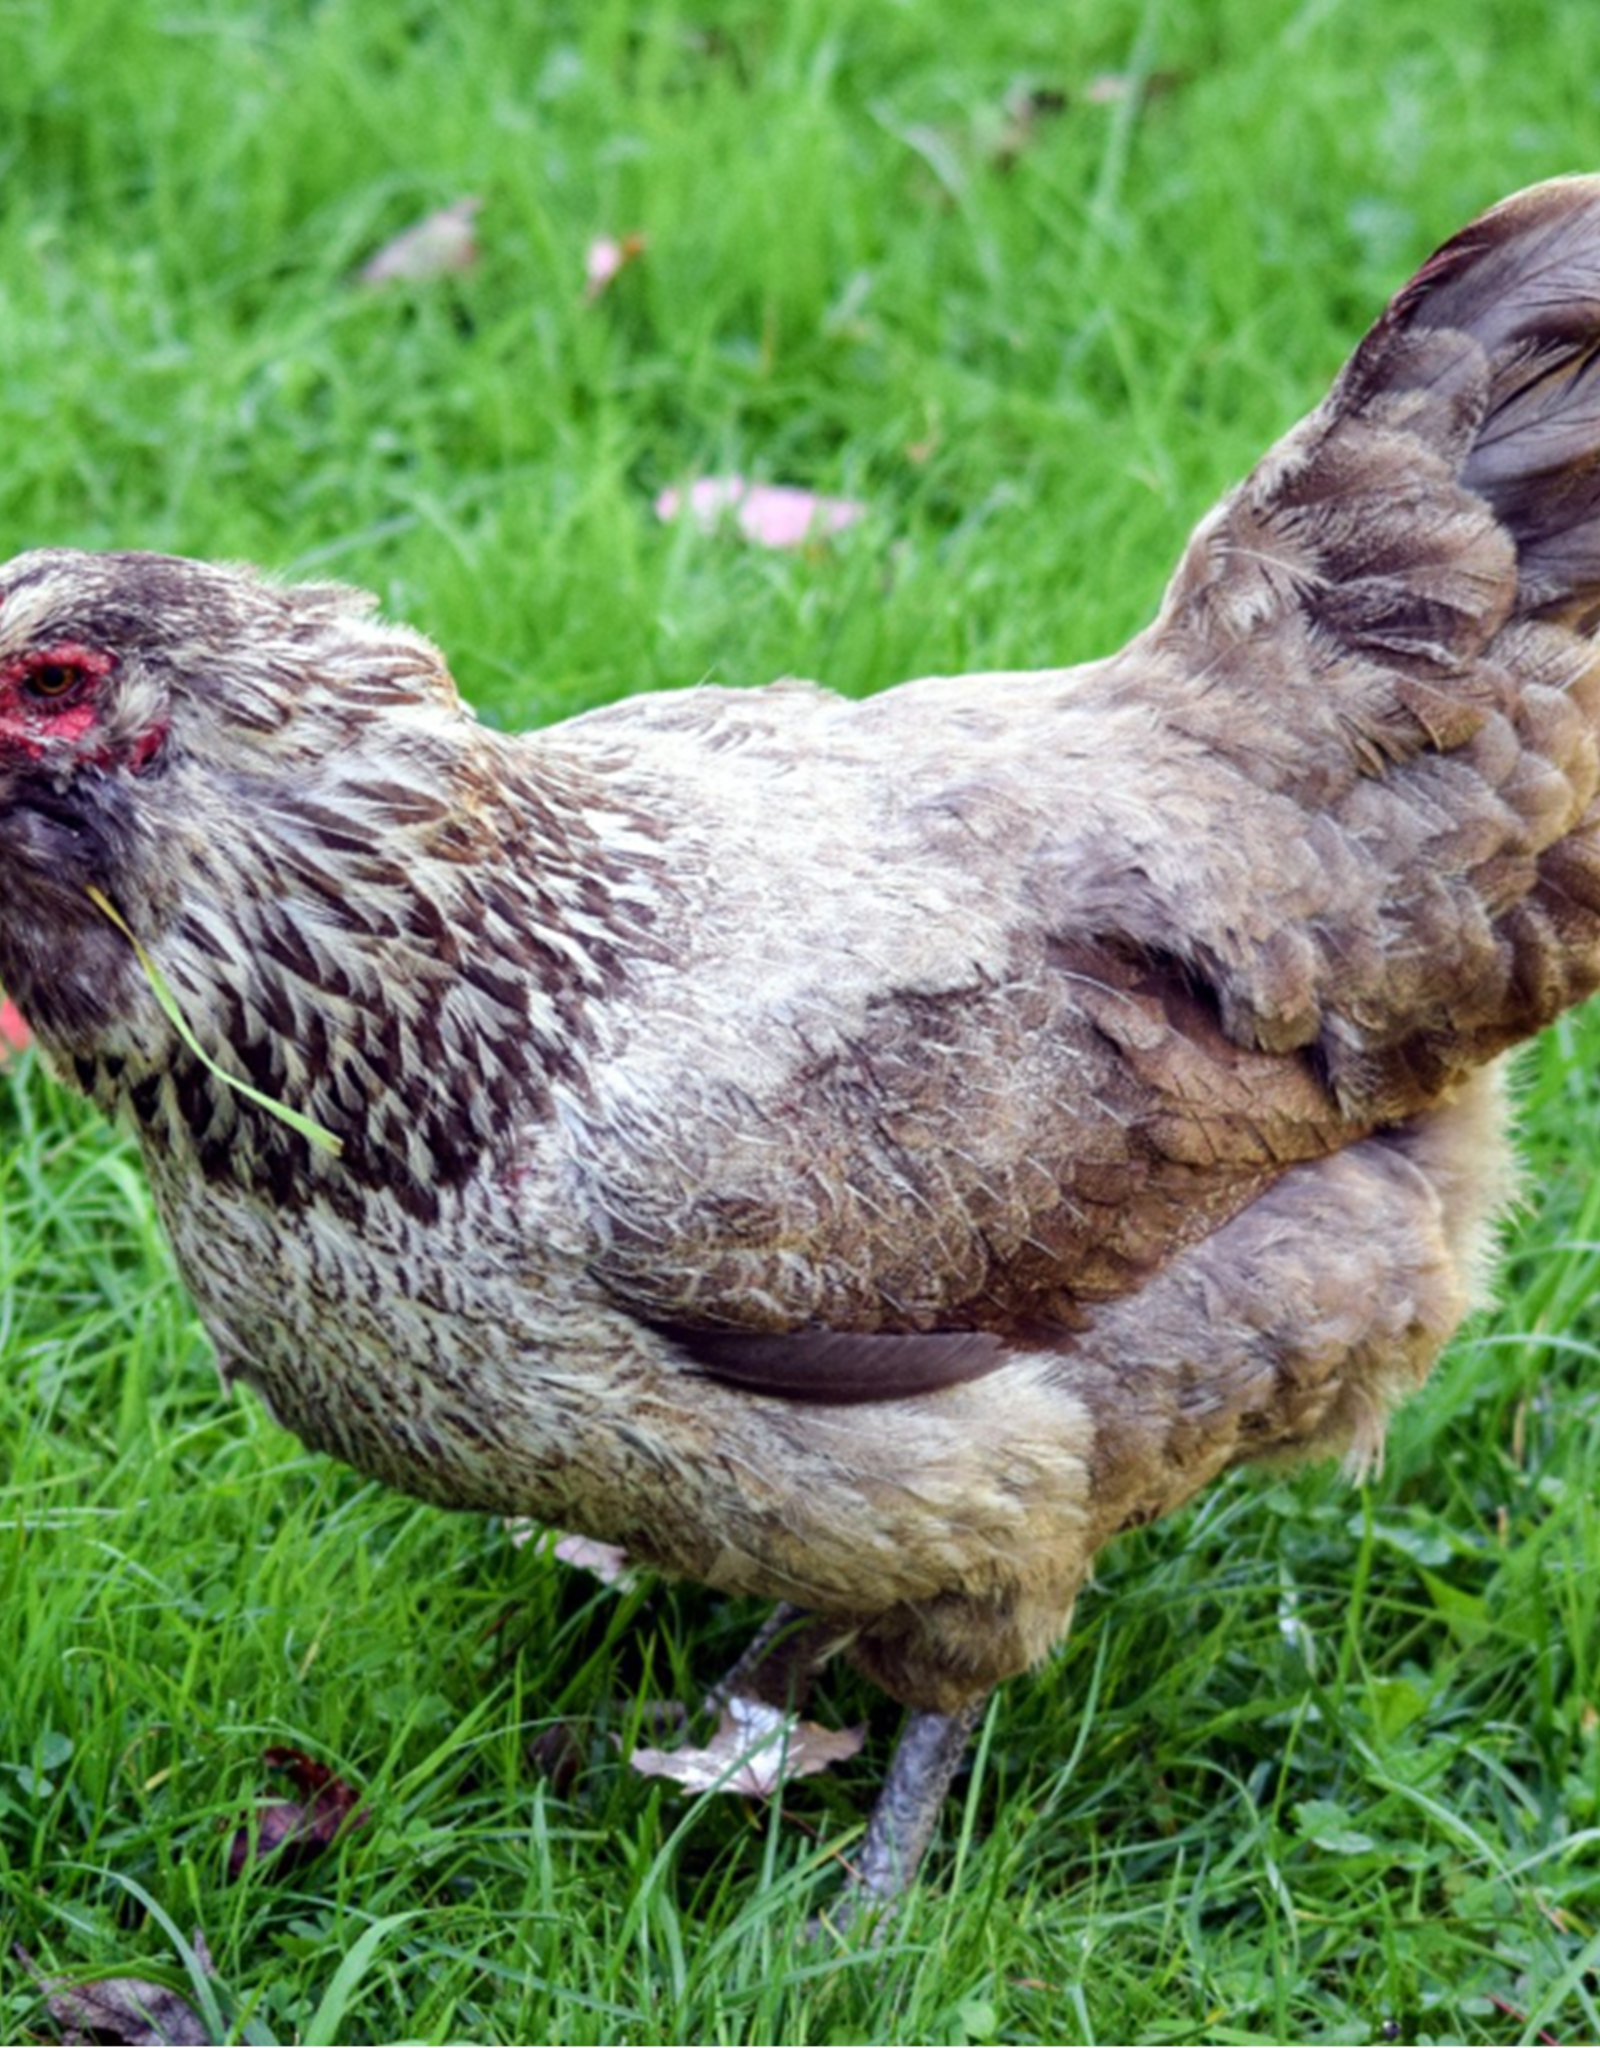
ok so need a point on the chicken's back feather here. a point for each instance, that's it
(1002, 989)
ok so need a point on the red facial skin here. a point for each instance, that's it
(34, 724)
(30, 723)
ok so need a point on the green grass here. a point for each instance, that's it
(1317, 1764)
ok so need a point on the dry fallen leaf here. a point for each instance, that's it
(607, 257)
(1025, 106)
(14, 1034)
(292, 1831)
(558, 1753)
(771, 515)
(1110, 88)
(121, 2012)
(755, 1750)
(434, 246)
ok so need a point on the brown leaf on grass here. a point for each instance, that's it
(435, 246)
(121, 2012)
(605, 260)
(558, 1753)
(290, 1832)
(1024, 108)
(1109, 88)
(755, 1750)
(771, 515)
(14, 1034)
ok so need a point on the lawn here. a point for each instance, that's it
(1033, 284)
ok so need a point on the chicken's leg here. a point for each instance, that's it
(926, 1758)
(782, 1658)
(779, 1662)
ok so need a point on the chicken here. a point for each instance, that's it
(862, 1154)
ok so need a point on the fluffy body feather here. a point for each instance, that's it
(864, 1154)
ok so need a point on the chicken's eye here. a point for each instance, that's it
(53, 679)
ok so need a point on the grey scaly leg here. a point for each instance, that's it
(780, 1661)
(927, 1758)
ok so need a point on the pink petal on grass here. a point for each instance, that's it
(14, 1034)
(755, 1750)
(608, 1561)
(771, 515)
(607, 257)
(434, 246)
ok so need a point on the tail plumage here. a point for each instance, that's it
(1518, 292)
(1391, 618)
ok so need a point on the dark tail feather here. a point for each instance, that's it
(1392, 616)
(1523, 285)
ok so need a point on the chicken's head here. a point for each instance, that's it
(150, 707)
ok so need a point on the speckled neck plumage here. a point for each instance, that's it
(409, 962)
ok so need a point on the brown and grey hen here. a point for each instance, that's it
(864, 1153)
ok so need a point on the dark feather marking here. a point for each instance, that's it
(284, 943)
(504, 989)
(845, 1367)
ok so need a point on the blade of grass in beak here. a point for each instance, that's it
(308, 1127)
